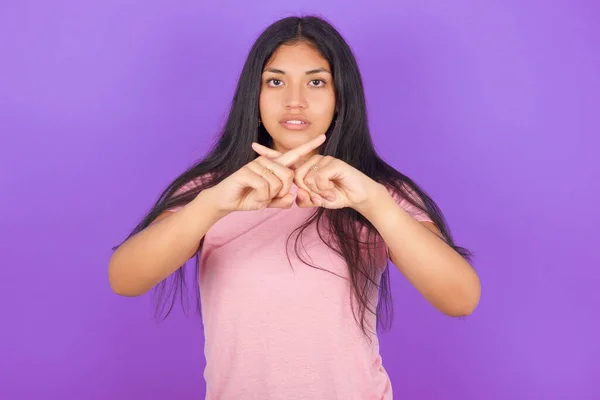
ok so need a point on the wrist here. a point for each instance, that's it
(208, 202)
(377, 198)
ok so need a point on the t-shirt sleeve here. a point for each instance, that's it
(183, 189)
(411, 209)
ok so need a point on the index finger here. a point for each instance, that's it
(265, 151)
(296, 154)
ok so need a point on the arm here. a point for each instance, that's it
(156, 252)
(159, 250)
(438, 272)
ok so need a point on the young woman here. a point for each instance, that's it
(292, 218)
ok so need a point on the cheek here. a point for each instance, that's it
(269, 107)
(324, 107)
(325, 99)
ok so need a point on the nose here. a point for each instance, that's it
(295, 97)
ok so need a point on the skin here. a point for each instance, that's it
(156, 252)
(296, 81)
(438, 272)
(291, 87)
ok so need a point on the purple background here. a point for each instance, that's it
(494, 107)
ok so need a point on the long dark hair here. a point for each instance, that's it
(348, 139)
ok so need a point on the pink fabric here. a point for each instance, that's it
(277, 332)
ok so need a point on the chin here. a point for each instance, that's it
(291, 140)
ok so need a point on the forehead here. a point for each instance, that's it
(298, 57)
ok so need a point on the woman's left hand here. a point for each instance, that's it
(325, 181)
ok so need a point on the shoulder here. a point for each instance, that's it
(191, 184)
(185, 191)
(179, 193)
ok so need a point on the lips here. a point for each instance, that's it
(294, 122)
(293, 119)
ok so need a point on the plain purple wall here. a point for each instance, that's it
(492, 106)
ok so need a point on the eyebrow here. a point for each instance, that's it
(312, 71)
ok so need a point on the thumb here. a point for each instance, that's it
(283, 202)
(303, 199)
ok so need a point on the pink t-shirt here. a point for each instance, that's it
(275, 331)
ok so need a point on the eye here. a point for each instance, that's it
(273, 82)
(317, 82)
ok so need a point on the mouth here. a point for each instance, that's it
(294, 123)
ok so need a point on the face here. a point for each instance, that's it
(297, 97)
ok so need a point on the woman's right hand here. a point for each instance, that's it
(262, 182)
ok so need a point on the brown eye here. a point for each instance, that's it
(317, 82)
(274, 82)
